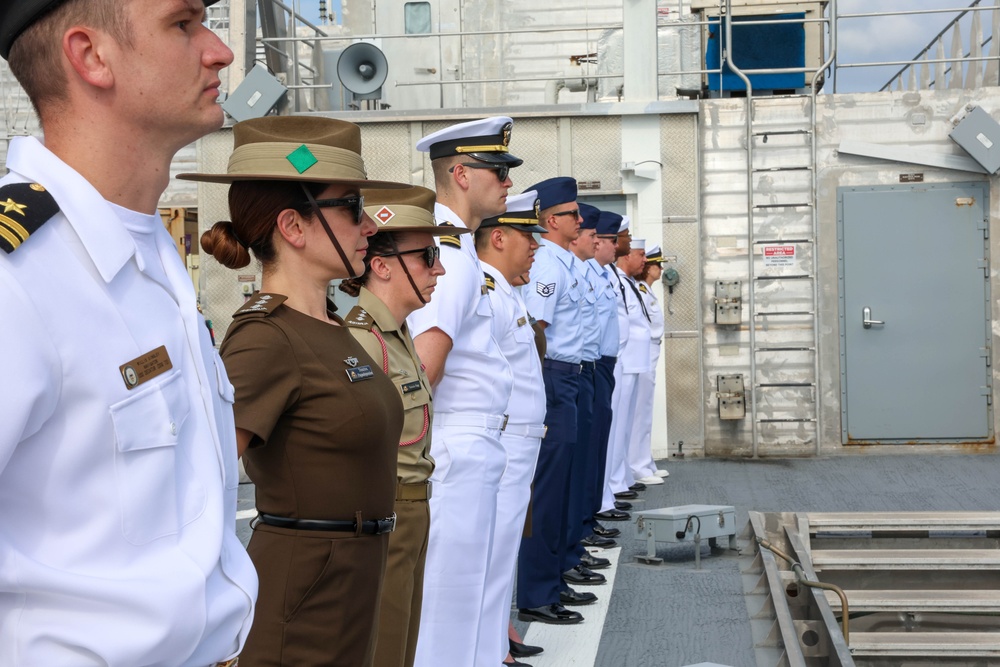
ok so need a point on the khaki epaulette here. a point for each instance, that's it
(491, 283)
(642, 288)
(359, 318)
(260, 304)
(26, 207)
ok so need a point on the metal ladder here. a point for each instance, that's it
(766, 356)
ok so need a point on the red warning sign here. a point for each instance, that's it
(779, 255)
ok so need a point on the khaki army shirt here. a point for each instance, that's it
(390, 345)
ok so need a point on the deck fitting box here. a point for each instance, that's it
(685, 523)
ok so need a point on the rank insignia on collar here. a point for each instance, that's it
(351, 361)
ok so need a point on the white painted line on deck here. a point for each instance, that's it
(576, 645)
(245, 514)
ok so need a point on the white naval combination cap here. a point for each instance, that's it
(486, 140)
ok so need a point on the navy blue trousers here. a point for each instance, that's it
(580, 468)
(539, 563)
(600, 432)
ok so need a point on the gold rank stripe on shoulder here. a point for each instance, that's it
(26, 207)
(359, 318)
(491, 283)
(451, 241)
(642, 288)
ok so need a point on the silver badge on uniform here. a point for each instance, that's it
(351, 361)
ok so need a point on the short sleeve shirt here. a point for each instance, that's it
(326, 419)
(553, 296)
(607, 309)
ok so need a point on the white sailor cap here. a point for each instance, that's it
(485, 140)
(522, 214)
(638, 244)
(626, 225)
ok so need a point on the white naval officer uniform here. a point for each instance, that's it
(469, 404)
(117, 505)
(633, 360)
(521, 440)
(640, 457)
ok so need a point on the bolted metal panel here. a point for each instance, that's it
(384, 149)
(536, 141)
(597, 151)
(683, 391)
(679, 149)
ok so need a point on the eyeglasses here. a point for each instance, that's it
(430, 254)
(501, 169)
(575, 213)
(355, 202)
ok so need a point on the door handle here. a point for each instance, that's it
(866, 318)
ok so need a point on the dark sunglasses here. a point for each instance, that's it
(575, 213)
(430, 254)
(355, 202)
(501, 169)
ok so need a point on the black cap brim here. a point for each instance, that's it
(497, 158)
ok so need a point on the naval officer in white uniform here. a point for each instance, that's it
(640, 456)
(472, 383)
(506, 246)
(118, 465)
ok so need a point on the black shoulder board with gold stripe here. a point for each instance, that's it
(451, 241)
(491, 283)
(359, 318)
(26, 207)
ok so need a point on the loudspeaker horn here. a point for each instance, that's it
(363, 68)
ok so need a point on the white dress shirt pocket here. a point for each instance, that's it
(147, 427)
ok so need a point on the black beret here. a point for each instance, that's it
(17, 15)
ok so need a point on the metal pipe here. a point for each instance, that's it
(832, 17)
(728, 53)
(464, 33)
(800, 576)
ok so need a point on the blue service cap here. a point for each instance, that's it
(608, 223)
(485, 140)
(590, 215)
(555, 191)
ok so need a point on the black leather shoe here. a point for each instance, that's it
(627, 495)
(606, 532)
(593, 562)
(519, 650)
(516, 663)
(581, 576)
(613, 515)
(638, 486)
(622, 505)
(555, 614)
(571, 598)
(598, 542)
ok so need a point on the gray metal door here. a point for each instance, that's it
(914, 298)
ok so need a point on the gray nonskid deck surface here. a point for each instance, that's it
(671, 615)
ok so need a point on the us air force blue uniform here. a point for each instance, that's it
(553, 295)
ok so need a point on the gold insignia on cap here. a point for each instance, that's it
(11, 205)
(506, 133)
(538, 209)
(384, 215)
(37, 187)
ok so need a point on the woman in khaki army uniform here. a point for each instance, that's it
(317, 422)
(401, 269)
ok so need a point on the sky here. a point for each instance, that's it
(859, 40)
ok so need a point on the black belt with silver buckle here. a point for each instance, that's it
(375, 527)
